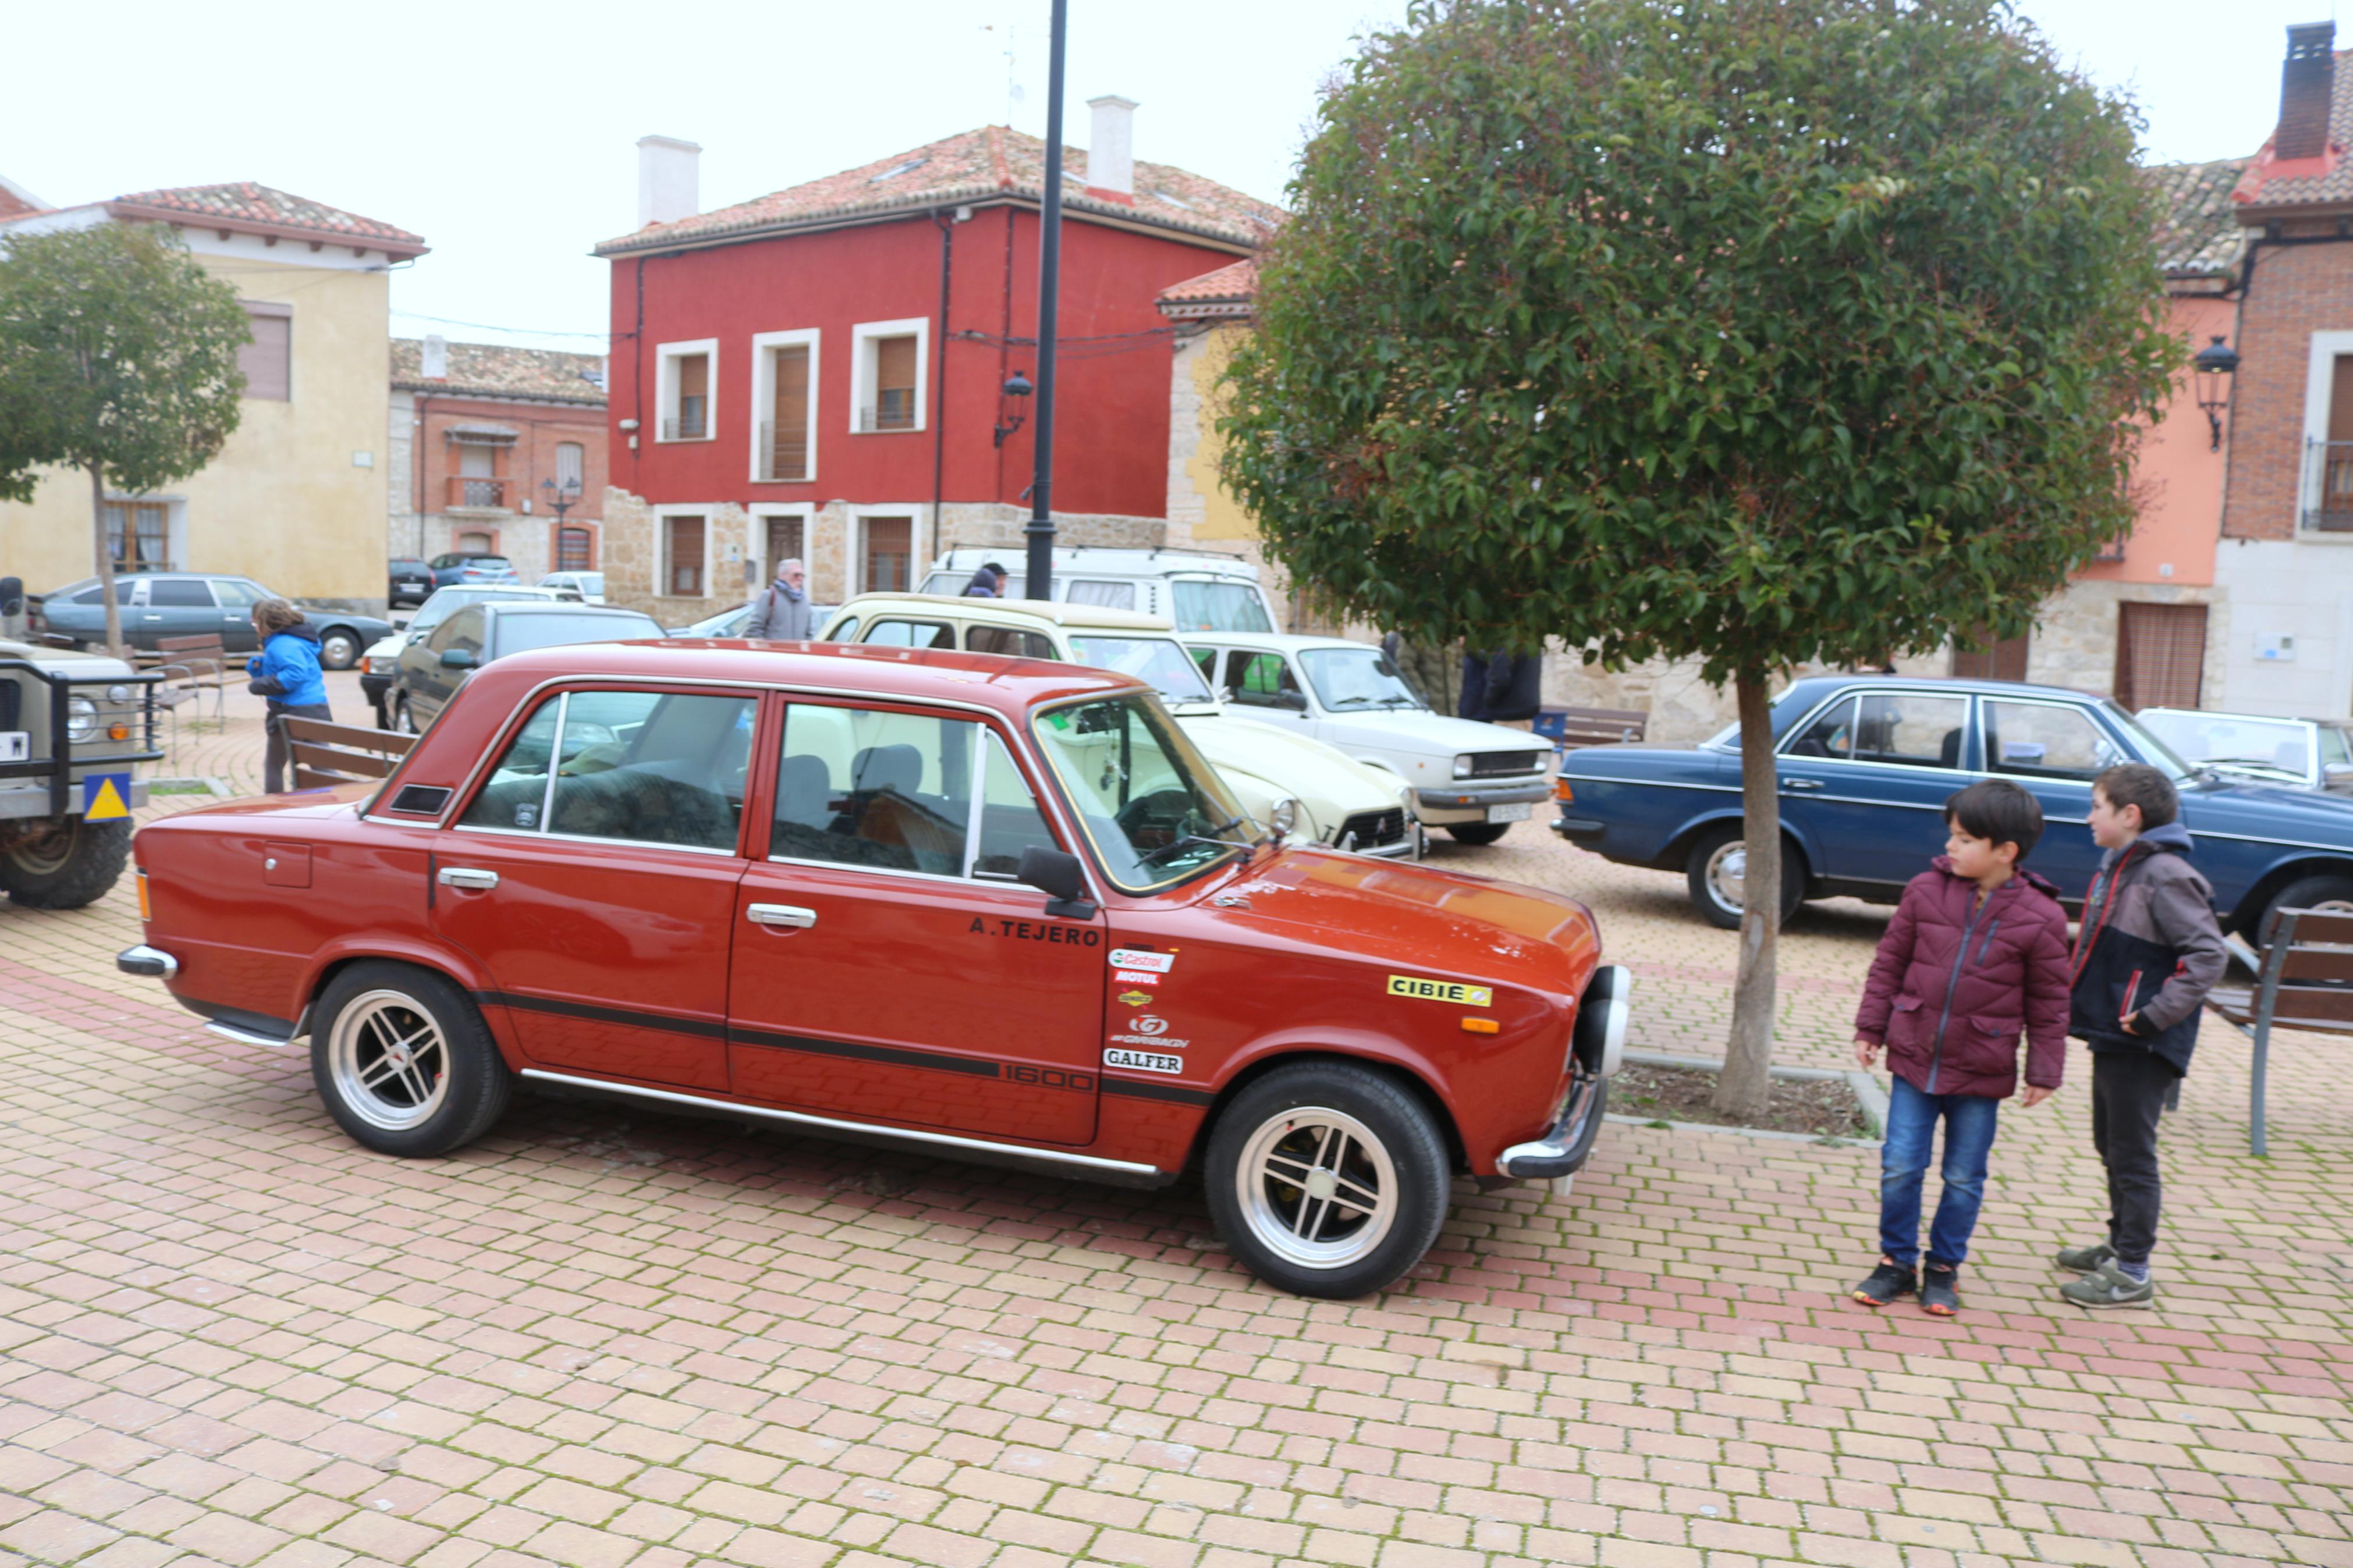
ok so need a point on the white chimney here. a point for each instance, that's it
(667, 182)
(1111, 149)
(434, 359)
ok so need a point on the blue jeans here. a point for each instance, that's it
(1912, 1118)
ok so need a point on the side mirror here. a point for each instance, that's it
(457, 658)
(1225, 694)
(1283, 818)
(2336, 775)
(1295, 701)
(11, 596)
(1058, 873)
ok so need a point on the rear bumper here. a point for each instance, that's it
(148, 962)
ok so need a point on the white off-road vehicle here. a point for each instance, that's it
(73, 728)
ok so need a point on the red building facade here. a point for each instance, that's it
(821, 374)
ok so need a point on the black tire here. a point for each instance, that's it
(1478, 832)
(339, 647)
(1398, 1132)
(404, 719)
(435, 1100)
(2325, 891)
(71, 863)
(1699, 874)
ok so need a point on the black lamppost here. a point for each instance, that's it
(1009, 416)
(1038, 532)
(561, 499)
(2213, 365)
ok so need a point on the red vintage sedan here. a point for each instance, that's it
(989, 907)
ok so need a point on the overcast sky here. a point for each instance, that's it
(505, 135)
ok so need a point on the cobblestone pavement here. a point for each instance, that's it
(603, 1337)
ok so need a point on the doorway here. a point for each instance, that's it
(2160, 656)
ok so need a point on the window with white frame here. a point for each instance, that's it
(685, 543)
(2325, 504)
(784, 407)
(686, 384)
(889, 374)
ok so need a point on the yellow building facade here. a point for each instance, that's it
(298, 496)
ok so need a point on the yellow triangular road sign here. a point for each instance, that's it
(105, 801)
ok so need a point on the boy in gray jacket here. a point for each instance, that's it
(2146, 954)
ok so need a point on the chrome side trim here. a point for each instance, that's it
(1651, 784)
(246, 1037)
(804, 1119)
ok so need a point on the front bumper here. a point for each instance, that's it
(1467, 800)
(374, 686)
(1565, 1148)
(22, 798)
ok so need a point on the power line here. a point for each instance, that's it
(493, 327)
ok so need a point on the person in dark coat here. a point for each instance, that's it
(285, 672)
(781, 612)
(1975, 954)
(988, 583)
(1501, 688)
(2148, 952)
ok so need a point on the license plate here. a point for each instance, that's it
(1519, 813)
(15, 745)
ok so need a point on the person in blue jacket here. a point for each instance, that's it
(286, 671)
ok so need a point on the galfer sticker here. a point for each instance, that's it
(1136, 977)
(1142, 1061)
(1135, 958)
(1453, 991)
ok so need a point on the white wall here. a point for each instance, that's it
(2292, 588)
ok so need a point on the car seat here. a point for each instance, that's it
(1948, 750)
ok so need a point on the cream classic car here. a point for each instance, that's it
(1340, 801)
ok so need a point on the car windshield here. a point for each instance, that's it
(1154, 811)
(1216, 606)
(1350, 680)
(445, 601)
(590, 582)
(2275, 746)
(2152, 750)
(519, 633)
(1157, 662)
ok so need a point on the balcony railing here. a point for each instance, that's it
(895, 410)
(694, 427)
(485, 495)
(2328, 487)
(784, 456)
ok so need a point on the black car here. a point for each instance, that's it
(157, 605)
(410, 583)
(382, 665)
(432, 669)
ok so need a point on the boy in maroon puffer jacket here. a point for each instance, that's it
(1975, 954)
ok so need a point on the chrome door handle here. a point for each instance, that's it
(464, 876)
(781, 915)
(1801, 784)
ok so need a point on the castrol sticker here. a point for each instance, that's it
(1135, 958)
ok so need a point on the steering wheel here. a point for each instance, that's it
(1163, 812)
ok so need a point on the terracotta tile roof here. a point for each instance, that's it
(2326, 181)
(994, 161)
(15, 201)
(496, 370)
(259, 208)
(2199, 235)
(1228, 291)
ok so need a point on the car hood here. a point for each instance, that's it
(342, 800)
(387, 645)
(1425, 731)
(1321, 775)
(2239, 805)
(1421, 919)
(62, 661)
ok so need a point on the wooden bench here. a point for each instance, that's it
(325, 753)
(1570, 728)
(192, 666)
(2303, 980)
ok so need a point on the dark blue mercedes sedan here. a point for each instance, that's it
(1867, 761)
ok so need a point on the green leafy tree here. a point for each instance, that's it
(118, 356)
(1755, 332)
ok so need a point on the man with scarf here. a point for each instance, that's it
(781, 613)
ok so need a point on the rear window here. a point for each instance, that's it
(1217, 608)
(518, 634)
(1157, 662)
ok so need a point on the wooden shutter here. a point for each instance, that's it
(2160, 655)
(894, 384)
(694, 376)
(2001, 660)
(890, 545)
(683, 573)
(788, 449)
(267, 359)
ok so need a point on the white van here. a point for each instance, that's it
(1197, 590)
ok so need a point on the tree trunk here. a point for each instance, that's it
(106, 562)
(1749, 1055)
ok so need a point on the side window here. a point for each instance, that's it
(1207, 658)
(1263, 681)
(1831, 735)
(180, 593)
(1010, 820)
(912, 634)
(235, 593)
(1010, 641)
(847, 631)
(462, 629)
(652, 767)
(515, 796)
(858, 786)
(2333, 750)
(1911, 729)
(2043, 740)
(1107, 595)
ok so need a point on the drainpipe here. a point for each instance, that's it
(416, 496)
(940, 384)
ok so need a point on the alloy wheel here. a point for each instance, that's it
(1317, 1187)
(390, 1063)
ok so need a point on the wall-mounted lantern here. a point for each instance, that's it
(1010, 415)
(2213, 365)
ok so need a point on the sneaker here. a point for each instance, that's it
(1940, 1296)
(2109, 1286)
(1887, 1281)
(2084, 1259)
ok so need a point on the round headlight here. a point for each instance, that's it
(82, 718)
(117, 694)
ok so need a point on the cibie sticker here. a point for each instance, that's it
(1133, 958)
(1453, 991)
(1142, 1061)
(1136, 977)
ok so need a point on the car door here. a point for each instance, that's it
(592, 873)
(2054, 749)
(237, 597)
(1265, 686)
(426, 684)
(1866, 779)
(887, 966)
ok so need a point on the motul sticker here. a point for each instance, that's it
(1136, 958)
(1136, 977)
(1142, 1061)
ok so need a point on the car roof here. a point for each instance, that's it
(1959, 683)
(538, 606)
(1014, 612)
(1101, 559)
(1284, 642)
